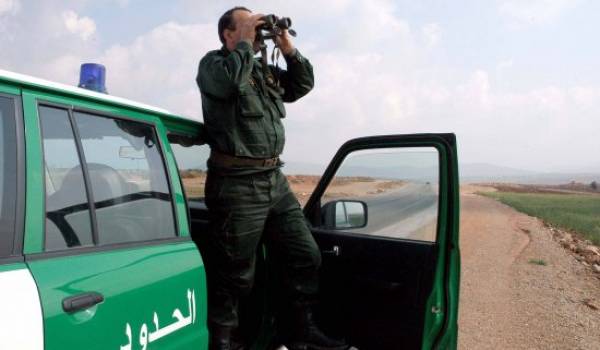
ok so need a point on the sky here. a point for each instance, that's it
(517, 81)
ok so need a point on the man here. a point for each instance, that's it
(247, 195)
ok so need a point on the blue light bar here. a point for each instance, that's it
(93, 77)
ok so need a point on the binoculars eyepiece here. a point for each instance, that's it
(275, 26)
(274, 21)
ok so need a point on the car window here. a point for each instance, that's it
(8, 180)
(191, 161)
(68, 222)
(388, 192)
(122, 187)
(128, 179)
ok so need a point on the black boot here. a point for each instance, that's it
(307, 336)
(221, 338)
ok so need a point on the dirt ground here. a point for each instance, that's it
(303, 185)
(509, 302)
(341, 187)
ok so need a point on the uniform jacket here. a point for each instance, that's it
(242, 115)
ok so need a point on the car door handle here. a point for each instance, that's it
(81, 301)
(335, 251)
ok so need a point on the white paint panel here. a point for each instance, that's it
(21, 320)
(16, 77)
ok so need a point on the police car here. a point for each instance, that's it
(100, 247)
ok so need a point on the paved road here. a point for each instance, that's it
(408, 212)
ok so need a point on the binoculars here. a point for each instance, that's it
(274, 26)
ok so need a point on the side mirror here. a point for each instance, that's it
(344, 214)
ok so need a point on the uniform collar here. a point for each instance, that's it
(225, 51)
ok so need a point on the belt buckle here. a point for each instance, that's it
(270, 162)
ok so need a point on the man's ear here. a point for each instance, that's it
(228, 35)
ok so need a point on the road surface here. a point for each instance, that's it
(407, 212)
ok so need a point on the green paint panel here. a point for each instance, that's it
(34, 197)
(9, 89)
(176, 185)
(183, 127)
(12, 267)
(136, 283)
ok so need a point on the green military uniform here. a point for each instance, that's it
(247, 195)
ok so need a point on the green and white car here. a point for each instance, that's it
(100, 248)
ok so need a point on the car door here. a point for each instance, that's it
(107, 239)
(385, 215)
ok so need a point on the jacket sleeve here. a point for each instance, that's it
(220, 76)
(298, 79)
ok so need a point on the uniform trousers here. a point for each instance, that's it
(245, 210)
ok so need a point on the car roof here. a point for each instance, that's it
(29, 81)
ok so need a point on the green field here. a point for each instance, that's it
(574, 212)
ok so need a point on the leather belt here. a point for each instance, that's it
(228, 161)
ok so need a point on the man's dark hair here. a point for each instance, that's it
(226, 21)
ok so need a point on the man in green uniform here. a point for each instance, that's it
(247, 195)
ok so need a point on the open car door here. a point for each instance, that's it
(385, 215)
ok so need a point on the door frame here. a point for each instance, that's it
(19, 220)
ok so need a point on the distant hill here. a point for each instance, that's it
(474, 170)
(481, 172)
(595, 168)
(301, 168)
(469, 172)
(383, 172)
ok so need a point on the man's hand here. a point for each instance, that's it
(248, 27)
(284, 42)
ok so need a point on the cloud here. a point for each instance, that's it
(493, 125)
(297, 9)
(31, 49)
(432, 33)
(376, 73)
(585, 97)
(537, 12)
(373, 23)
(159, 67)
(84, 27)
(9, 7)
(122, 3)
(476, 91)
(505, 64)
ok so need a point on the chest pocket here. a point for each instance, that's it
(250, 102)
(278, 101)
